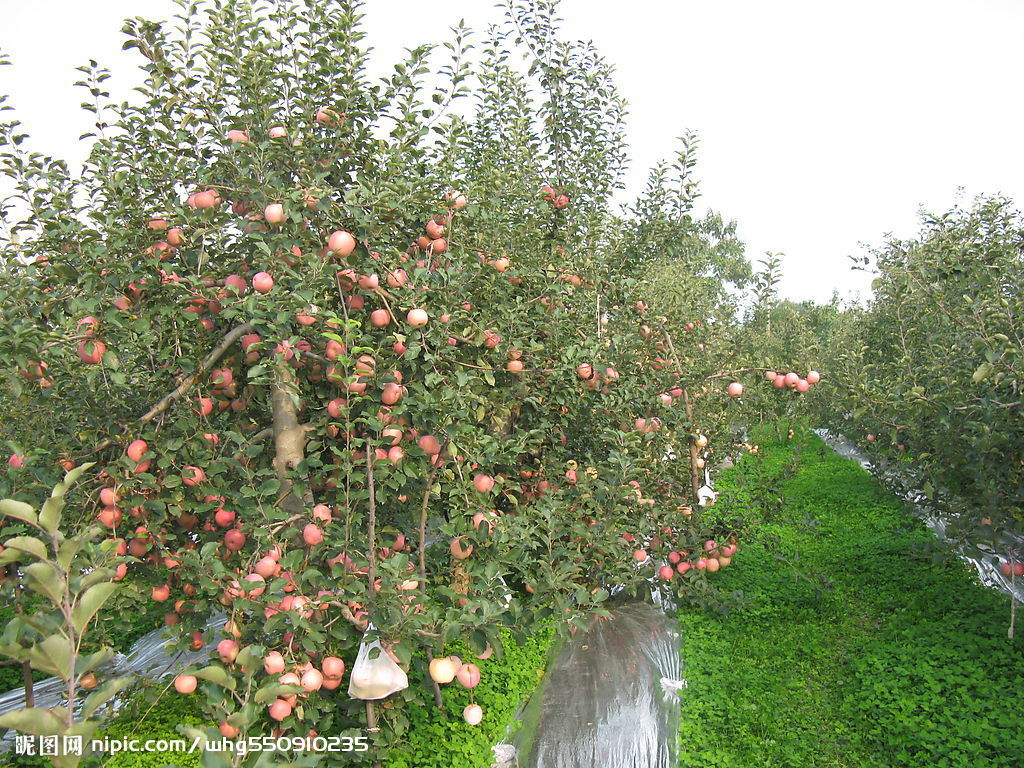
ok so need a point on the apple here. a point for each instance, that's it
(430, 445)
(273, 663)
(91, 352)
(328, 116)
(380, 318)
(333, 667)
(234, 540)
(417, 318)
(342, 243)
(813, 377)
(185, 683)
(443, 670)
(279, 710)
(160, 593)
(274, 213)
(713, 564)
(640, 555)
(561, 201)
(1012, 570)
(434, 229)
(312, 680)
(585, 371)
(666, 572)
(16, 461)
(468, 675)
(209, 198)
(88, 681)
(735, 389)
(238, 137)
(237, 282)
(136, 450)
(192, 476)
(312, 534)
(277, 132)
(227, 730)
(392, 393)
(397, 278)
(791, 379)
(483, 483)
(473, 714)
(458, 551)
(803, 385)
(262, 282)
(227, 650)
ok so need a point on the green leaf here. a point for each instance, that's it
(19, 510)
(93, 660)
(103, 694)
(49, 516)
(983, 372)
(45, 580)
(52, 655)
(216, 675)
(33, 720)
(90, 602)
(26, 545)
(72, 476)
(271, 691)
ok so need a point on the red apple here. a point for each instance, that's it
(136, 450)
(262, 282)
(273, 663)
(279, 710)
(185, 683)
(342, 243)
(91, 352)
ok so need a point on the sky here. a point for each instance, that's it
(823, 125)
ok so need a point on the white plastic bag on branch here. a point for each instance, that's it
(375, 675)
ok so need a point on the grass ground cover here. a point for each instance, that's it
(847, 641)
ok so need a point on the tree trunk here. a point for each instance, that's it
(694, 453)
(289, 439)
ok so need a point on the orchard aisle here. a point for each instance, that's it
(849, 644)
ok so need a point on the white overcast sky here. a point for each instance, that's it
(823, 125)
